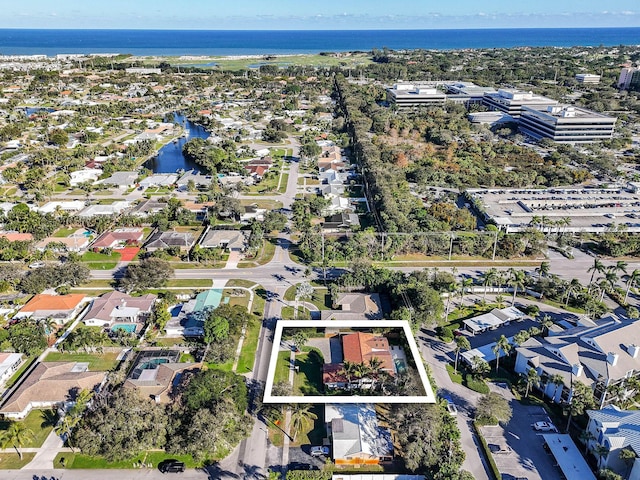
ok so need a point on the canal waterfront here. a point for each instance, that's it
(170, 158)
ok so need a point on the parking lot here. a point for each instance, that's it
(527, 457)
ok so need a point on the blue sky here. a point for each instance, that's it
(324, 14)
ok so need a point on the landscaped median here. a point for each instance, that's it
(150, 459)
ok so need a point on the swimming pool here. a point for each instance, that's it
(127, 327)
(401, 367)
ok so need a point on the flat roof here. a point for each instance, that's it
(569, 458)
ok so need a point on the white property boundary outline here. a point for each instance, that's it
(428, 397)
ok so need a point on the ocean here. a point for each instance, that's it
(260, 42)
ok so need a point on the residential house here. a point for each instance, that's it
(60, 308)
(85, 175)
(159, 180)
(492, 320)
(9, 364)
(602, 357)
(75, 243)
(50, 385)
(16, 236)
(199, 179)
(170, 239)
(187, 319)
(114, 307)
(356, 436)
(358, 348)
(148, 207)
(252, 212)
(614, 429)
(121, 179)
(232, 240)
(119, 238)
(114, 208)
(355, 306)
(71, 206)
(340, 222)
(156, 372)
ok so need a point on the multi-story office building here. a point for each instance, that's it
(467, 93)
(406, 95)
(511, 101)
(587, 78)
(629, 78)
(566, 124)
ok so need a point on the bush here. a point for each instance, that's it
(446, 334)
(477, 385)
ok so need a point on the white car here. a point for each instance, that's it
(544, 427)
(318, 451)
(36, 265)
(451, 407)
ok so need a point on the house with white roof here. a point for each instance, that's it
(356, 436)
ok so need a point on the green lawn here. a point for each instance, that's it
(64, 232)
(196, 283)
(97, 361)
(238, 282)
(282, 367)
(249, 347)
(315, 432)
(11, 461)
(455, 377)
(78, 461)
(320, 298)
(263, 256)
(288, 313)
(283, 183)
(100, 261)
(308, 380)
(40, 422)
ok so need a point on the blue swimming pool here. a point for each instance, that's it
(127, 327)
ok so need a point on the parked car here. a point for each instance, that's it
(36, 265)
(451, 407)
(498, 449)
(318, 451)
(302, 466)
(544, 427)
(171, 466)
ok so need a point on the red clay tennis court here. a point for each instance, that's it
(128, 253)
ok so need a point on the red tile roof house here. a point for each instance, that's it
(60, 308)
(358, 347)
(17, 237)
(116, 307)
(119, 238)
(50, 384)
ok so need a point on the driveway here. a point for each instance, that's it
(330, 348)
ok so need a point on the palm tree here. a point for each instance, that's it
(620, 266)
(611, 277)
(544, 269)
(557, 380)
(600, 451)
(301, 415)
(502, 345)
(631, 281)
(16, 436)
(597, 267)
(462, 343)
(628, 456)
(521, 337)
(532, 378)
(348, 371)
(375, 370)
(573, 286)
(488, 279)
(65, 427)
(546, 322)
(516, 281)
(585, 437)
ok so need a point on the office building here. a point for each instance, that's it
(467, 93)
(587, 78)
(511, 101)
(566, 124)
(629, 78)
(406, 95)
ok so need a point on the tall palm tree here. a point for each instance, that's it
(573, 286)
(597, 267)
(462, 343)
(502, 345)
(585, 437)
(546, 322)
(600, 451)
(348, 371)
(16, 436)
(489, 278)
(631, 281)
(557, 380)
(516, 280)
(301, 415)
(65, 427)
(532, 378)
(628, 456)
(544, 269)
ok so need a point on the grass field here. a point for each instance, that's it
(308, 380)
(97, 361)
(249, 346)
(11, 461)
(100, 261)
(313, 60)
(263, 256)
(282, 368)
(190, 282)
(78, 461)
(40, 422)
(283, 183)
